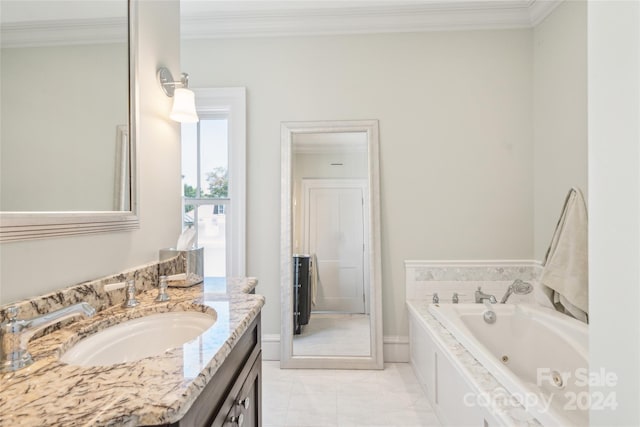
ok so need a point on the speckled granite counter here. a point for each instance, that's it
(154, 390)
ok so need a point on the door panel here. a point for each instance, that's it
(336, 236)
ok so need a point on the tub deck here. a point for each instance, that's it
(459, 330)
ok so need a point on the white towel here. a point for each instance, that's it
(565, 279)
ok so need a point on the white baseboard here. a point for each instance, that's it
(271, 347)
(395, 348)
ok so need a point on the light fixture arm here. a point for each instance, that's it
(168, 84)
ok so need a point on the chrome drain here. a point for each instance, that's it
(557, 379)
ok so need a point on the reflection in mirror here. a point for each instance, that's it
(68, 118)
(63, 99)
(330, 246)
(330, 241)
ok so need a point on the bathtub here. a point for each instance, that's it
(540, 356)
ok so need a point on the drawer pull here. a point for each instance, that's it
(245, 403)
(239, 420)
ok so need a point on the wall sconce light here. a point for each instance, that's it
(184, 103)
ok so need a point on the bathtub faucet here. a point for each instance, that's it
(518, 287)
(481, 297)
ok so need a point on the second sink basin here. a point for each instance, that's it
(138, 338)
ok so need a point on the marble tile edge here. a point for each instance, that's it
(470, 270)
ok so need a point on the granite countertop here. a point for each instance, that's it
(153, 390)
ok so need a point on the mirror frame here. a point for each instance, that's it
(17, 226)
(287, 358)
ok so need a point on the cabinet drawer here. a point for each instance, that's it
(246, 410)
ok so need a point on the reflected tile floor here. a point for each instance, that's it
(334, 334)
(344, 398)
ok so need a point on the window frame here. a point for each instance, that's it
(230, 103)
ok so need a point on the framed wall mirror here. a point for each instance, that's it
(330, 246)
(69, 106)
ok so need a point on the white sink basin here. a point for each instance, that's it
(138, 338)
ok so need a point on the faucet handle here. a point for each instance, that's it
(131, 300)
(162, 290)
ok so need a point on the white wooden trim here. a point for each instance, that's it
(219, 23)
(396, 349)
(350, 18)
(271, 347)
(122, 181)
(63, 32)
(540, 9)
(287, 359)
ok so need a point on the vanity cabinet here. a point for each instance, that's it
(232, 398)
(245, 409)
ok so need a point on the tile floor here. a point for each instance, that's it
(344, 398)
(334, 335)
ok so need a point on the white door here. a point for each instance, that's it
(335, 233)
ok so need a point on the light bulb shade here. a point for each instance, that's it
(184, 106)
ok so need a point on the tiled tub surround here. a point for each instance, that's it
(153, 390)
(422, 280)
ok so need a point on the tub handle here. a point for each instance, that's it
(489, 316)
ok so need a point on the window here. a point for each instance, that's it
(213, 173)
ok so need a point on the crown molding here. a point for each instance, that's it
(385, 18)
(64, 32)
(239, 19)
(540, 9)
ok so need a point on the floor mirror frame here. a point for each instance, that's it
(287, 358)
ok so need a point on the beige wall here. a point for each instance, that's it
(559, 115)
(34, 121)
(36, 267)
(455, 137)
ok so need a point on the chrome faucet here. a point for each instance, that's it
(481, 297)
(15, 334)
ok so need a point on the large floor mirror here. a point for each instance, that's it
(330, 246)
